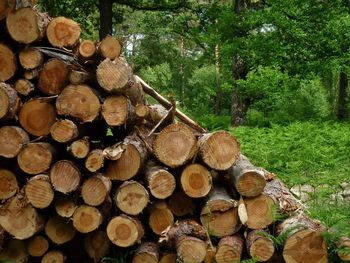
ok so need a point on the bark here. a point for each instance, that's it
(9, 101)
(343, 96)
(105, 8)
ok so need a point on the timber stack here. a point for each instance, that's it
(89, 169)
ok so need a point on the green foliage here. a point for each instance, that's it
(158, 76)
(213, 122)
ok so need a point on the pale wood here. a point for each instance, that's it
(97, 245)
(229, 249)
(135, 93)
(168, 258)
(64, 131)
(8, 184)
(160, 217)
(87, 218)
(38, 191)
(59, 230)
(31, 74)
(191, 249)
(37, 246)
(6, 6)
(181, 204)
(210, 255)
(65, 206)
(79, 148)
(63, 32)
(12, 140)
(86, 49)
(96, 189)
(54, 256)
(31, 58)
(117, 111)
(65, 176)
(196, 180)
(147, 252)
(260, 211)
(110, 47)
(9, 102)
(8, 65)
(24, 87)
(259, 245)
(77, 77)
(15, 251)
(95, 160)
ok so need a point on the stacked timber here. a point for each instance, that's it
(88, 168)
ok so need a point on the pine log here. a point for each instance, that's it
(196, 180)
(147, 252)
(168, 257)
(77, 77)
(97, 245)
(63, 32)
(14, 252)
(131, 197)
(65, 176)
(35, 158)
(31, 74)
(65, 206)
(79, 148)
(78, 101)
(59, 230)
(110, 47)
(153, 114)
(259, 245)
(8, 65)
(53, 77)
(6, 6)
(181, 204)
(20, 219)
(124, 231)
(9, 101)
(37, 246)
(27, 25)
(12, 140)
(95, 160)
(260, 211)
(38, 191)
(87, 218)
(135, 93)
(54, 256)
(230, 249)
(114, 76)
(31, 58)
(64, 131)
(117, 111)
(24, 87)
(175, 145)
(96, 189)
(210, 254)
(191, 249)
(37, 116)
(8, 184)
(304, 240)
(344, 248)
(219, 150)
(161, 183)
(87, 49)
(160, 217)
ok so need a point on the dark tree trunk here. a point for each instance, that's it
(343, 96)
(105, 8)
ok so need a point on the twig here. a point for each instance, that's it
(160, 122)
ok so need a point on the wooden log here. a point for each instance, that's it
(110, 47)
(35, 158)
(191, 249)
(8, 184)
(114, 76)
(64, 131)
(196, 180)
(161, 183)
(65, 176)
(38, 191)
(54, 256)
(24, 87)
(30, 58)
(31, 74)
(175, 145)
(59, 230)
(6, 6)
(78, 101)
(37, 246)
(65, 206)
(181, 204)
(37, 116)
(168, 257)
(259, 245)
(95, 160)
(86, 50)
(9, 102)
(79, 148)
(304, 240)
(131, 197)
(153, 114)
(77, 77)
(147, 252)
(229, 249)
(15, 251)
(8, 64)
(20, 219)
(160, 217)
(12, 140)
(124, 231)
(96, 189)
(53, 77)
(97, 245)
(135, 93)
(210, 255)
(343, 246)
(26, 25)
(261, 211)
(63, 32)
(87, 218)
(219, 215)
(246, 178)
(117, 111)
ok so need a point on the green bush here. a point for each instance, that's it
(213, 122)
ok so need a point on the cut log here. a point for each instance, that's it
(78, 101)
(147, 252)
(259, 245)
(15, 251)
(79, 148)
(175, 145)
(24, 87)
(191, 249)
(9, 102)
(219, 150)
(65, 206)
(54, 256)
(87, 218)
(6, 6)
(168, 258)
(210, 255)
(117, 111)
(124, 231)
(37, 116)
(110, 47)
(64, 131)
(196, 180)
(96, 189)
(31, 58)
(97, 245)
(8, 65)
(53, 77)
(153, 114)
(181, 204)
(247, 179)
(160, 217)
(63, 32)
(304, 240)
(161, 183)
(86, 49)
(35, 158)
(37, 246)
(114, 76)
(229, 249)
(38, 191)
(12, 140)
(344, 248)
(77, 77)
(95, 160)
(135, 93)
(8, 184)
(20, 219)
(261, 211)
(65, 176)
(31, 74)
(59, 230)
(131, 198)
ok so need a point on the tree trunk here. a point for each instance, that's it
(343, 96)
(106, 14)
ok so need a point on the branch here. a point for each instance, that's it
(136, 5)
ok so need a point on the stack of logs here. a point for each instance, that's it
(88, 168)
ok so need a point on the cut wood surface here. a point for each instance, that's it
(86, 49)
(38, 191)
(8, 65)
(63, 32)
(65, 176)
(97, 245)
(110, 47)
(65, 206)
(54, 256)
(8, 184)
(9, 102)
(79, 148)
(229, 249)
(117, 110)
(160, 217)
(96, 189)
(59, 230)
(12, 140)
(191, 249)
(168, 258)
(64, 131)
(259, 245)
(196, 180)
(260, 211)
(95, 160)
(37, 246)
(24, 87)
(147, 252)
(87, 218)
(31, 58)
(181, 204)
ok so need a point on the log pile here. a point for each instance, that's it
(88, 167)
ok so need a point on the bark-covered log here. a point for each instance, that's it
(9, 101)
(63, 32)
(259, 245)
(64, 131)
(147, 252)
(37, 246)
(12, 140)
(87, 218)
(160, 217)
(196, 180)
(59, 230)
(38, 191)
(30, 58)
(96, 189)
(97, 245)
(65, 176)
(230, 249)
(24, 87)
(8, 184)
(160, 181)
(110, 47)
(95, 160)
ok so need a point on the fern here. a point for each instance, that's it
(250, 260)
